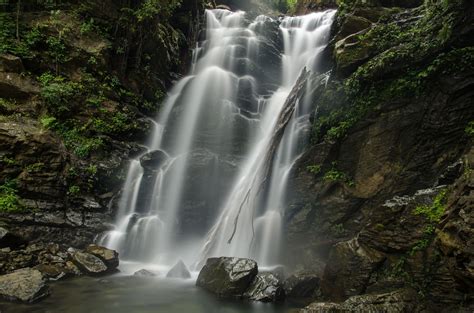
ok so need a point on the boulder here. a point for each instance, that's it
(7, 239)
(179, 271)
(301, 285)
(89, 264)
(352, 24)
(26, 285)
(144, 273)
(265, 287)
(226, 276)
(52, 272)
(108, 256)
(153, 160)
(398, 301)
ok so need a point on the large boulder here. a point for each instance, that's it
(26, 285)
(89, 264)
(301, 285)
(179, 271)
(227, 277)
(266, 287)
(108, 256)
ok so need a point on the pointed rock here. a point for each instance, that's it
(179, 271)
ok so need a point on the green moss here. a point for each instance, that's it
(336, 175)
(9, 200)
(58, 93)
(74, 190)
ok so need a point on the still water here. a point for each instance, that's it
(124, 293)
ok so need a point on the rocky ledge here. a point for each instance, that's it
(27, 268)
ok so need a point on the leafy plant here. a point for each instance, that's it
(9, 200)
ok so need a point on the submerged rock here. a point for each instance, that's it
(108, 256)
(89, 264)
(226, 276)
(265, 287)
(179, 271)
(144, 272)
(26, 285)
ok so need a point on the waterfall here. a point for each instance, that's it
(214, 180)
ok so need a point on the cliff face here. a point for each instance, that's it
(78, 83)
(383, 198)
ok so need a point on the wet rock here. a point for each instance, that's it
(8, 239)
(52, 272)
(226, 276)
(179, 271)
(349, 268)
(351, 52)
(108, 256)
(89, 263)
(394, 302)
(26, 285)
(144, 272)
(301, 285)
(352, 24)
(153, 160)
(265, 287)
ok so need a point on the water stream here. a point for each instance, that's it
(209, 188)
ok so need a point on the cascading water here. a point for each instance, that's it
(210, 154)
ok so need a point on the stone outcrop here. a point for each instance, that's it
(302, 285)
(226, 276)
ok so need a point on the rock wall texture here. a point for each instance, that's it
(384, 195)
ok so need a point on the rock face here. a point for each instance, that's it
(179, 271)
(227, 277)
(301, 285)
(265, 287)
(399, 301)
(26, 285)
(89, 263)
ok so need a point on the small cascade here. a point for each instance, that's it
(213, 181)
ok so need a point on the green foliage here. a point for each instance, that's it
(9, 200)
(469, 130)
(73, 190)
(314, 169)
(434, 212)
(8, 161)
(156, 8)
(336, 175)
(58, 93)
